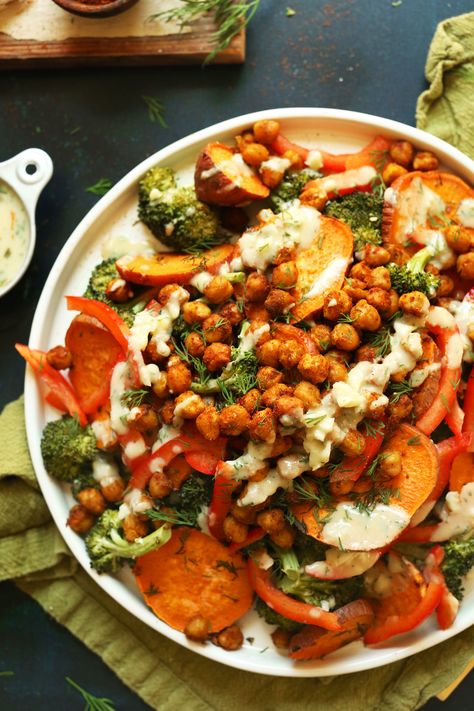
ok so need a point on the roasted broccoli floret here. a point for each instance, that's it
(458, 561)
(68, 449)
(183, 507)
(101, 276)
(412, 276)
(274, 618)
(108, 548)
(363, 213)
(290, 187)
(175, 215)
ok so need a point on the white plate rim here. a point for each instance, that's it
(403, 646)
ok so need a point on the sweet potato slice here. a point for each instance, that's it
(406, 210)
(166, 267)
(462, 471)
(223, 178)
(314, 642)
(94, 353)
(424, 395)
(322, 266)
(405, 588)
(193, 574)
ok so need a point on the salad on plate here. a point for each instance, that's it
(271, 403)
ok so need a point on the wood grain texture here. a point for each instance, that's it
(187, 48)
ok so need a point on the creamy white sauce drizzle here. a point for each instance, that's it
(356, 177)
(14, 234)
(465, 212)
(119, 411)
(328, 277)
(103, 432)
(134, 502)
(259, 491)
(135, 448)
(351, 529)
(314, 159)
(463, 312)
(105, 471)
(275, 164)
(118, 245)
(342, 564)
(415, 205)
(457, 515)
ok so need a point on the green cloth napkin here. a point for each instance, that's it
(446, 108)
(166, 676)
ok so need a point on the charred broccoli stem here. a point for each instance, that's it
(108, 549)
(412, 276)
(68, 449)
(175, 215)
(363, 213)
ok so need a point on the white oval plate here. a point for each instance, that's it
(115, 213)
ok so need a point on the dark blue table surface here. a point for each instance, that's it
(364, 55)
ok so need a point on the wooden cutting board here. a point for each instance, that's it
(144, 48)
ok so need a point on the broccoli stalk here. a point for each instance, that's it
(412, 276)
(363, 213)
(68, 449)
(108, 549)
(238, 377)
(457, 562)
(175, 215)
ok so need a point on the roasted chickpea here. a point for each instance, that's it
(281, 445)
(179, 378)
(391, 172)
(167, 291)
(288, 409)
(59, 357)
(256, 311)
(160, 386)
(270, 176)
(446, 286)
(113, 491)
(251, 400)
(315, 196)
(390, 464)
(398, 254)
(336, 304)
(425, 160)
(380, 279)
(195, 312)
(338, 355)
(189, 405)
(266, 131)
(218, 290)
(80, 519)
(400, 410)
(278, 302)
(267, 353)
(271, 395)
(308, 393)
(92, 500)
(216, 356)
(355, 288)
(119, 291)
(271, 520)
(285, 275)
(254, 154)
(361, 271)
(233, 420)
(268, 376)
(345, 337)
(415, 302)
(365, 317)
(465, 265)
(353, 443)
(232, 313)
(263, 331)
(341, 488)
(376, 256)
(321, 335)
(207, 423)
(459, 238)
(365, 352)
(167, 412)
(195, 344)
(143, 418)
(393, 308)
(375, 407)
(285, 254)
(257, 287)
(379, 299)
(362, 485)
(281, 638)
(159, 485)
(135, 526)
(295, 159)
(234, 531)
(337, 372)
(244, 139)
(262, 426)
(402, 152)
(284, 538)
(244, 514)
(314, 368)
(216, 329)
(290, 353)
(198, 629)
(230, 638)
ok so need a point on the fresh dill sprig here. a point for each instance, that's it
(372, 428)
(230, 17)
(176, 518)
(134, 398)
(93, 703)
(345, 318)
(205, 243)
(396, 390)
(380, 340)
(199, 367)
(318, 495)
(371, 470)
(101, 187)
(366, 502)
(156, 110)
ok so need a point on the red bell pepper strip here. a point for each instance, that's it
(221, 503)
(448, 607)
(449, 343)
(351, 468)
(254, 535)
(468, 424)
(61, 391)
(373, 154)
(202, 461)
(287, 606)
(448, 450)
(418, 534)
(103, 313)
(128, 441)
(455, 417)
